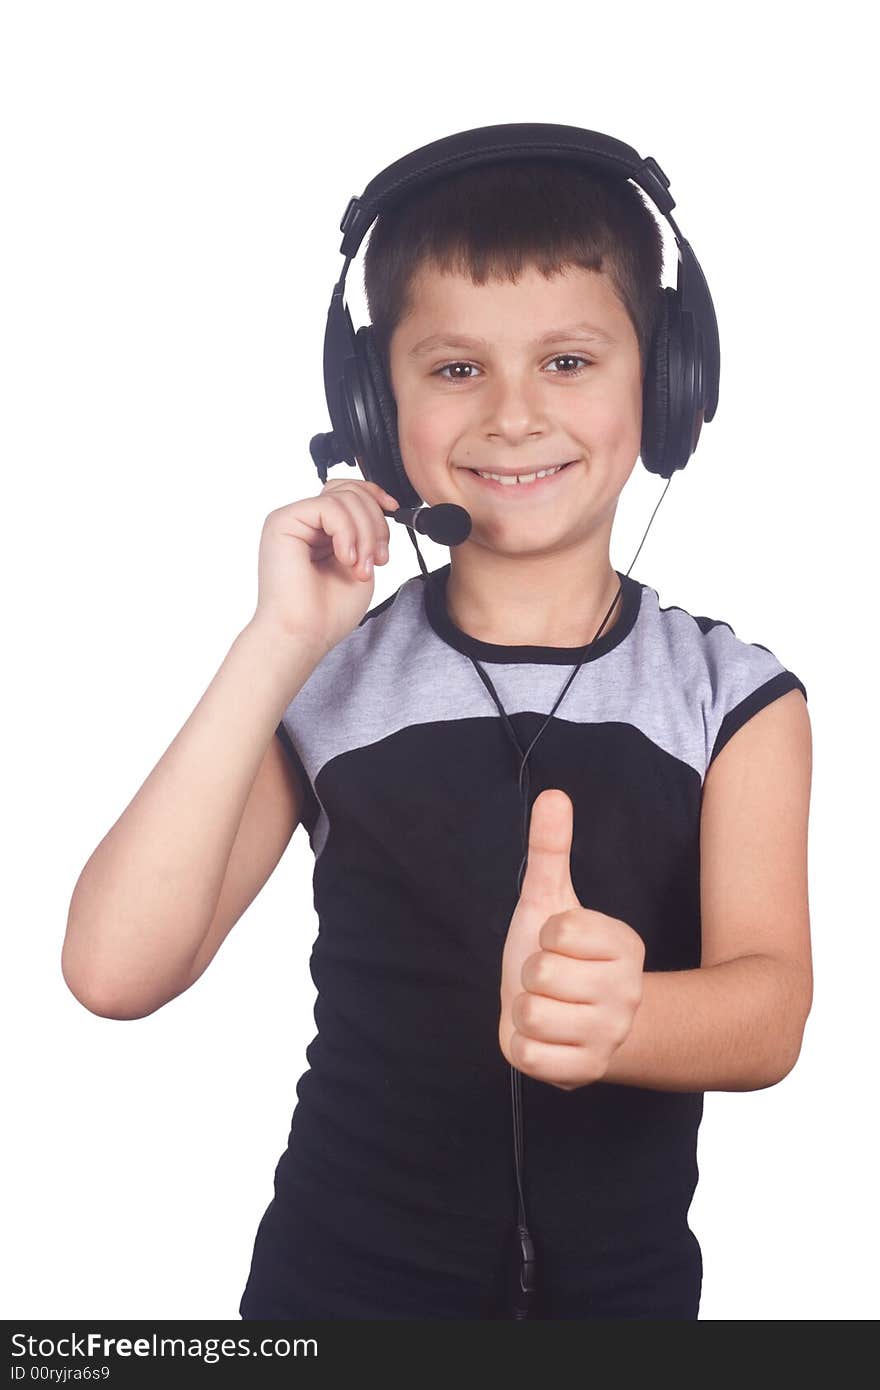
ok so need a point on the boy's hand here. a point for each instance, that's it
(571, 977)
(316, 561)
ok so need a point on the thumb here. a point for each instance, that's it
(547, 881)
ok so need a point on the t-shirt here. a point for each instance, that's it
(396, 1194)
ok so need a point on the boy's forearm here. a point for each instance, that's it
(147, 895)
(736, 1026)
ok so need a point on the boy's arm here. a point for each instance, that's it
(194, 846)
(737, 1022)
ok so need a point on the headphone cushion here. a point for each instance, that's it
(384, 427)
(656, 397)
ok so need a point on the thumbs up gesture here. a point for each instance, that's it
(571, 977)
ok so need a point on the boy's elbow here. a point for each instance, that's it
(790, 1057)
(104, 1003)
(102, 1006)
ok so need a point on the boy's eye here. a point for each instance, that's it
(560, 357)
(571, 357)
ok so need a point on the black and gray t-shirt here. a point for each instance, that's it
(397, 1188)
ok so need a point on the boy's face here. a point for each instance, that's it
(519, 404)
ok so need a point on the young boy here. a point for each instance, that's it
(660, 943)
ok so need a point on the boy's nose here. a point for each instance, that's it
(515, 403)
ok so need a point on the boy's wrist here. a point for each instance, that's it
(291, 656)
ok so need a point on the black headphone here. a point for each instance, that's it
(681, 377)
(680, 391)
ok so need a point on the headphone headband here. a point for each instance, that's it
(494, 144)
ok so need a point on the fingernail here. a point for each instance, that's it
(382, 550)
(368, 564)
(352, 554)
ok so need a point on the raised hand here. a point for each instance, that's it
(316, 561)
(571, 977)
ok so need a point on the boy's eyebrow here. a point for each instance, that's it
(587, 331)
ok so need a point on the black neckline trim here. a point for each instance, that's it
(438, 616)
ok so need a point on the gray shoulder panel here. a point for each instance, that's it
(686, 683)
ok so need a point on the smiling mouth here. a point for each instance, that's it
(512, 486)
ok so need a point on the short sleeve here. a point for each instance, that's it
(744, 678)
(310, 805)
(758, 699)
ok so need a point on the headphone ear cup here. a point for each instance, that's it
(387, 467)
(671, 421)
(655, 397)
(685, 387)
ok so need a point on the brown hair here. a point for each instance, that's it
(492, 220)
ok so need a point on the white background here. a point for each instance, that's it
(173, 176)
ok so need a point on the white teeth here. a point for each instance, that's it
(512, 479)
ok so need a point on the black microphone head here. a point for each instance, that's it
(446, 523)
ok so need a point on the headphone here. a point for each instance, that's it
(680, 392)
(681, 377)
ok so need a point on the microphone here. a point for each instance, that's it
(446, 523)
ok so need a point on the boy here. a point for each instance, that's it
(660, 943)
